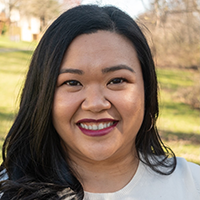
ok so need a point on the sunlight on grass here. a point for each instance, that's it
(174, 78)
(178, 117)
(190, 152)
(12, 74)
(13, 67)
(178, 124)
(5, 42)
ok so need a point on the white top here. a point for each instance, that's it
(182, 184)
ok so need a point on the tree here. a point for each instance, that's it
(45, 10)
(175, 28)
(10, 5)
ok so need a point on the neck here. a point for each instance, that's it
(105, 176)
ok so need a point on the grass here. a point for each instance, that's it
(172, 79)
(178, 124)
(6, 43)
(13, 67)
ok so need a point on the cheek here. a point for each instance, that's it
(133, 102)
(133, 113)
(64, 107)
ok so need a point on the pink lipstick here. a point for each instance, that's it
(96, 128)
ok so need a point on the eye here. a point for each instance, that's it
(72, 83)
(117, 81)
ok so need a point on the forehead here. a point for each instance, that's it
(103, 40)
(103, 48)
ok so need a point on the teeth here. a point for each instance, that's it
(100, 126)
(96, 127)
(86, 127)
(90, 127)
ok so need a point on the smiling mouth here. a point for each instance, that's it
(96, 126)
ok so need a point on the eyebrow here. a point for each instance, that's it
(105, 70)
(117, 67)
(72, 71)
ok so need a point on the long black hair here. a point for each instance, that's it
(33, 158)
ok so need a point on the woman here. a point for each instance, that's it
(86, 127)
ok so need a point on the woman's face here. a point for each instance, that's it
(99, 99)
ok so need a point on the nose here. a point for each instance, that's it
(95, 100)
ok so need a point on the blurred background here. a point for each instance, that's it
(172, 28)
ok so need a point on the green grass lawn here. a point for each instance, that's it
(13, 67)
(6, 43)
(178, 124)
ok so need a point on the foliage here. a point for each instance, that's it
(46, 10)
(4, 29)
(175, 28)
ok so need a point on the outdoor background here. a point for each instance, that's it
(172, 28)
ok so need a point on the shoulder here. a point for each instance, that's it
(184, 165)
(185, 180)
(183, 183)
(188, 171)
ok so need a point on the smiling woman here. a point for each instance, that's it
(86, 127)
(109, 73)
